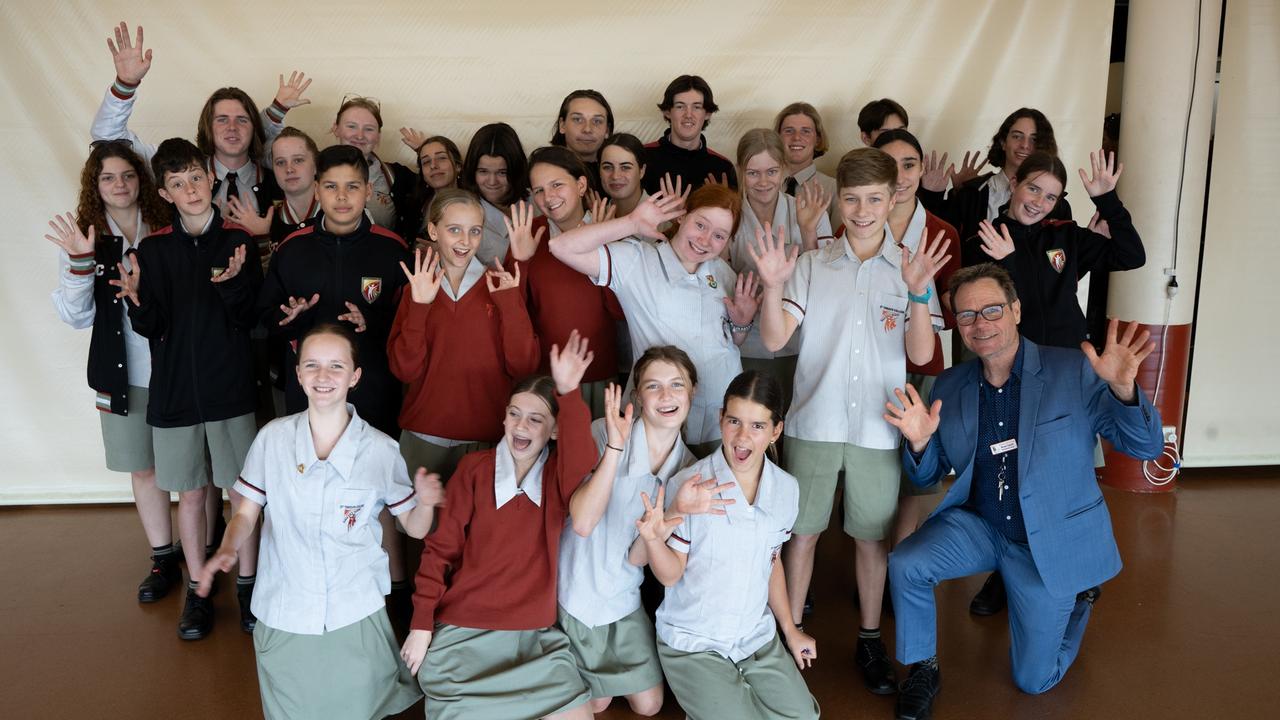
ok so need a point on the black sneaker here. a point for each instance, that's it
(991, 599)
(164, 574)
(244, 595)
(915, 697)
(877, 669)
(197, 617)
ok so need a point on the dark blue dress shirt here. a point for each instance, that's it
(993, 493)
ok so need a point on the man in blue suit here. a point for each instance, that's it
(1018, 425)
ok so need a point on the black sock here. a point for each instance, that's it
(400, 585)
(243, 580)
(162, 552)
(192, 584)
(865, 634)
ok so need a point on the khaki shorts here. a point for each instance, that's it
(184, 454)
(435, 458)
(127, 438)
(871, 481)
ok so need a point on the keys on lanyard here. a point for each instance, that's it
(1003, 449)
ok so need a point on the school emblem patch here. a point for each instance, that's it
(216, 271)
(349, 515)
(370, 288)
(1057, 258)
(889, 317)
(711, 281)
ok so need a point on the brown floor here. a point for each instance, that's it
(1189, 629)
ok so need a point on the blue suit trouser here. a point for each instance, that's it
(1045, 631)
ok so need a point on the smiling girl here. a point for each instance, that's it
(439, 162)
(496, 169)
(359, 124)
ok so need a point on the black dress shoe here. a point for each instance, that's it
(165, 573)
(915, 697)
(244, 595)
(197, 617)
(991, 599)
(877, 669)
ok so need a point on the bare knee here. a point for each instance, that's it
(192, 500)
(648, 703)
(600, 704)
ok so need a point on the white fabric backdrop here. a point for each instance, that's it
(958, 66)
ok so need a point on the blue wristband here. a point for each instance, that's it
(922, 299)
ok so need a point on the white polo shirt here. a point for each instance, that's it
(321, 565)
(721, 603)
(666, 305)
(852, 326)
(596, 584)
(784, 215)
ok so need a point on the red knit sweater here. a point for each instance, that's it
(460, 360)
(561, 299)
(495, 568)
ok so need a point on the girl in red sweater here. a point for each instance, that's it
(486, 589)
(457, 342)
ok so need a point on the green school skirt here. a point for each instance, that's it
(353, 672)
(765, 686)
(617, 659)
(472, 674)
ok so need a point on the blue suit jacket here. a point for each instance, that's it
(1063, 404)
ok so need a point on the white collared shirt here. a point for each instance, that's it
(784, 215)
(828, 183)
(852, 326)
(246, 180)
(998, 193)
(721, 603)
(505, 484)
(667, 305)
(596, 583)
(496, 240)
(321, 565)
(381, 207)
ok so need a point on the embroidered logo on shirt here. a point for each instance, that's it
(711, 282)
(890, 318)
(349, 515)
(370, 288)
(1057, 258)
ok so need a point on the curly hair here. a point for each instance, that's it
(90, 211)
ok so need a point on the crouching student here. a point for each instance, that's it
(484, 641)
(726, 597)
(192, 291)
(323, 644)
(863, 305)
(599, 591)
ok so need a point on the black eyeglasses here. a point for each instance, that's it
(990, 312)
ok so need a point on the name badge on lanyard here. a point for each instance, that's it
(1001, 448)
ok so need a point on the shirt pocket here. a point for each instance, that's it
(348, 521)
(890, 313)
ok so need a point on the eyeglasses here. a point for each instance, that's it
(990, 312)
(361, 100)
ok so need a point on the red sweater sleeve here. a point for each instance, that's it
(575, 448)
(520, 351)
(443, 548)
(407, 345)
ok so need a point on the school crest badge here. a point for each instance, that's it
(889, 317)
(1057, 258)
(370, 288)
(350, 513)
(216, 271)
(711, 281)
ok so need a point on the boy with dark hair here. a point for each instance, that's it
(196, 308)
(879, 115)
(682, 152)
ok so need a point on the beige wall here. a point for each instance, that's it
(959, 67)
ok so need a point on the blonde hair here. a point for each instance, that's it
(446, 197)
(760, 140)
(809, 111)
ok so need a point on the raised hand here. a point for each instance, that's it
(222, 561)
(569, 365)
(722, 180)
(919, 269)
(354, 316)
(1106, 173)
(414, 650)
(698, 497)
(745, 301)
(234, 263)
(132, 62)
(1120, 359)
(239, 212)
(412, 138)
(295, 307)
(520, 229)
(812, 201)
(617, 422)
(654, 525)
(128, 282)
(427, 488)
(968, 169)
(289, 94)
(804, 649)
(1098, 225)
(676, 189)
(916, 421)
(424, 280)
(67, 235)
(998, 245)
(774, 261)
(601, 208)
(498, 279)
(936, 172)
(654, 211)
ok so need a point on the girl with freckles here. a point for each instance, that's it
(457, 342)
(483, 641)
